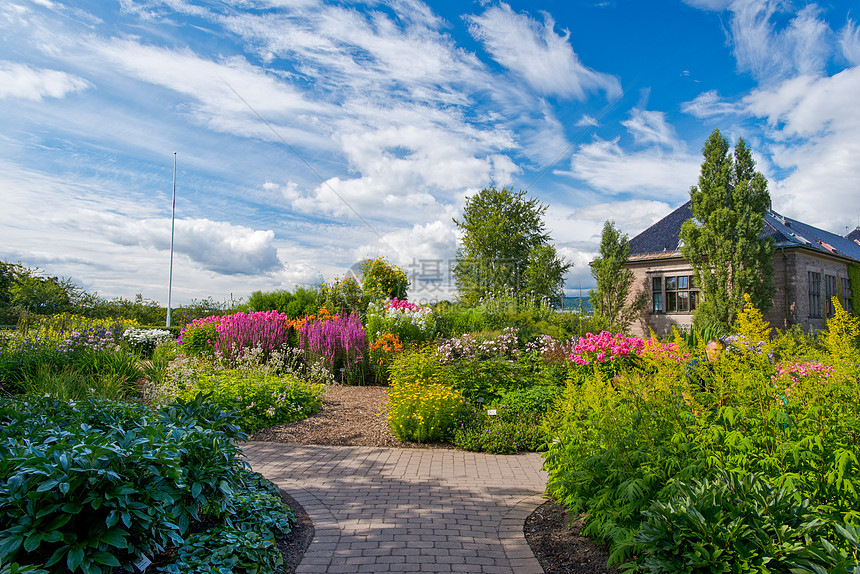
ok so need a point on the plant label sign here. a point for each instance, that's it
(143, 563)
(491, 412)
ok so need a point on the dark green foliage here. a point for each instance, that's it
(614, 282)
(735, 523)
(515, 426)
(722, 241)
(98, 483)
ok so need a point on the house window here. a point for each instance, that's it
(657, 294)
(814, 294)
(674, 294)
(846, 294)
(830, 292)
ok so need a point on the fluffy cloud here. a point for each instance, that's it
(814, 131)
(770, 52)
(215, 245)
(22, 81)
(606, 166)
(544, 59)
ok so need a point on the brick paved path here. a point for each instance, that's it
(408, 510)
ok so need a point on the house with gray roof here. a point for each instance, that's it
(811, 266)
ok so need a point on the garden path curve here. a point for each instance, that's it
(408, 510)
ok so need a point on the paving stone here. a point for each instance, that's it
(408, 510)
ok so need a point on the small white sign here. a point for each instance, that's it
(143, 563)
(491, 412)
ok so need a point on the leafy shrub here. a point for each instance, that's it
(421, 408)
(304, 301)
(260, 399)
(489, 379)
(732, 523)
(97, 483)
(508, 431)
(620, 443)
(198, 337)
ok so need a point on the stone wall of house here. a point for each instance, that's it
(660, 323)
(790, 281)
(805, 262)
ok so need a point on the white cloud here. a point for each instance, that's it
(849, 41)
(22, 81)
(536, 52)
(709, 104)
(217, 246)
(813, 124)
(606, 166)
(650, 127)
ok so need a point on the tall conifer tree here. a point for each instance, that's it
(723, 240)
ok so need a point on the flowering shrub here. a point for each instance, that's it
(381, 279)
(265, 330)
(66, 364)
(550, 349)
(790, 376)
(655, 351)
(620, 445)
(470, 348)
(57, 327)
(339, 344)
(382, 352)
(604, 347)
(408, 321)
(145, 341)
(421, 408)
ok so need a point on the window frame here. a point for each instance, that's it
(670, 291)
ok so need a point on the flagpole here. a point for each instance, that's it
(172, 224)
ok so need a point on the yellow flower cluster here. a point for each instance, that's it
(422, 410)
(58, 327)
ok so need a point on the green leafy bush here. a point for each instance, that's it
(96, 484)
(618, 444)
(732, 523)
(261, 399)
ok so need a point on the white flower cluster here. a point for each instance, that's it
(146, 338)
(469, 348)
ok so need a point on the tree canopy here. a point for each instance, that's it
(614, 282)
(504, 236)
(723, 240)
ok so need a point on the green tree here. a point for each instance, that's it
(382, 280)
(723, 239)
(544, 275)
(614, 282)
(500, 229)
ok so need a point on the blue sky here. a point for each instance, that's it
(310, 134)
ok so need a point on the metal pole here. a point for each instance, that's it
(172, 224)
